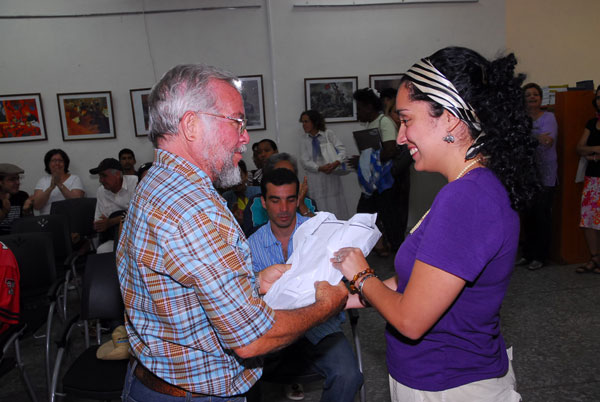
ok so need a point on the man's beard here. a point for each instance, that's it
(229, 175)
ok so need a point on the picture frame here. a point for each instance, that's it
(383, 81)
(22, 118)
(86, 115)
(332, 97)
(139, 109)
(254, 101)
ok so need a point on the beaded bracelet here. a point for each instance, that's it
(353, 289)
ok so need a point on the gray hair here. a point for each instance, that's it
(282, 156)
(183, 88)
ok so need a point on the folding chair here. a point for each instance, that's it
(89, 377)
(39, 285)
(10, 339)
(80, 214)
(65, 257)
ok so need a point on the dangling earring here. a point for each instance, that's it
(449, 138)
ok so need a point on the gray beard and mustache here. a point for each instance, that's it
(229, 175)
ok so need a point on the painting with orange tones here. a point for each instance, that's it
(21, 118)
(86, 116)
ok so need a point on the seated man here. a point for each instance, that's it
(112, 200)
(127, 160)
(13, 202)
(255, 215)
(323, 349)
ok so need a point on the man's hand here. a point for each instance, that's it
(28, 205)
(353, 161)
(5, 204)
(270, 275)
(102, 224)
(303, 190)
(334, 297)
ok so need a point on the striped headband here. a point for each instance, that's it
(439, 89)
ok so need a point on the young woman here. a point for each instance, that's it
(464, 117)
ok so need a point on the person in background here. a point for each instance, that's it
(537, 219)
(238, 196)
(144, 167)
(193, 312)
(464, 117)
(257, 163)
(255, 214)
(112, 201)
(589, 147)
(383, 199)
(323, 349)
(325, 187)
(264, 149)
(388, 98)
(127, 160)
(58, 185)
(15, 203)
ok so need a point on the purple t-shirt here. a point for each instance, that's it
(546, 156)
(472, 232)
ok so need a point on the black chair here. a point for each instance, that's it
(39, 286)
(65, 257)
(10, 339)
(80, 214)
(89, 377)
(290, 374)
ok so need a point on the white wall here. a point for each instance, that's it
(118, 53)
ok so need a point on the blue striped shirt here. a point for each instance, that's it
(266, 251)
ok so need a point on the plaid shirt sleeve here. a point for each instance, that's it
(199, 255)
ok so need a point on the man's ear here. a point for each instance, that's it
(263, 201)
(189, 126)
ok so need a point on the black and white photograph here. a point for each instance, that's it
(254, 103)
(332, 97)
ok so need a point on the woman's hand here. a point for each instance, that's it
(270, 275)
(350, 261)
(302, 191)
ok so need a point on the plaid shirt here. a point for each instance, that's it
(187, 282)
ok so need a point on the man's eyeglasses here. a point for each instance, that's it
(241, 122)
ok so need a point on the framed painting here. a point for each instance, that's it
(383, 81)
(254, 101)
(86, 115)
(139, 108)
(332, 97)
(21, 118)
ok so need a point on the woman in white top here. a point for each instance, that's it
(58, 185)
(324, 186)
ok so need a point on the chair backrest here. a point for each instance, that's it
(80, 213)
(56, 225)
(35, 256)
(101, 296)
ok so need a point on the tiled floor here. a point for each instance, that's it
(550, 317)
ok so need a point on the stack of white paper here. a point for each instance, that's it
(315, 241)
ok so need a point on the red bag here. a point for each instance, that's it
(9, 289)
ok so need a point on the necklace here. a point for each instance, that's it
(466, 168)
(461, 174)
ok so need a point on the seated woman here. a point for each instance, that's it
(255, 215)
(237, 197)
(58, 184)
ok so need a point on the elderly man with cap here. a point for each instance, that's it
(112, 199)
(14, 203)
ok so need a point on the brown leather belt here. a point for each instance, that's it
(151, 381)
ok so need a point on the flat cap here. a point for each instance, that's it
(9, 168)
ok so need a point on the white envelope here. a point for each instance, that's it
(315, 241)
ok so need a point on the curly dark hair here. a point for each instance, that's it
(49, 156)
(315, 118)
(495, 93)
(533, 85)
(368, 97)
